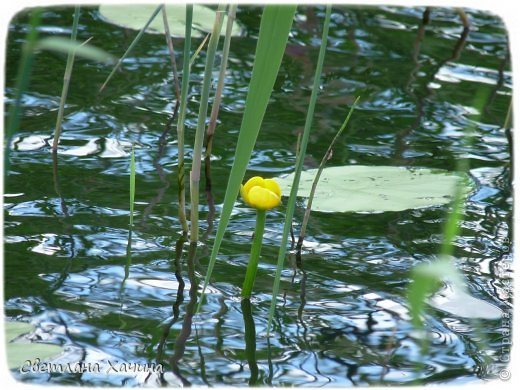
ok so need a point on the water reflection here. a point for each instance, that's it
(250, 339)
(178, 302)
(162, 142)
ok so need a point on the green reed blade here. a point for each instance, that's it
(132, 45)
(324, 160)
(180, 120)
(201, 126)
(274, 31)
(427, 278)
(221, 78)
(299, 164)
(132, 186)
(80, 49)
(201, 46)
(66, 81)
(169, 43)
(22, 81)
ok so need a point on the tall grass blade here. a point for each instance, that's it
(215, 109)
(169, 43)
(299, 164)
(80, 49)
(132, 45)
(66, 81)
(180, 122)
(324, 160)
(132, 186)
(201, 126)
(131, 221)
(274, 31)
(22, 81)
(426, 278)
(196, 53)
(221, 78)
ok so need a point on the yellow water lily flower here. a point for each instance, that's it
(261, 194)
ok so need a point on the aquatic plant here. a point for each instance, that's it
(262, 195)
(302, 149)
(180, 121)
(201, 126)
(324, 160)
(66, 81)
(210, 132)
(22, 81)
(132, 45)
(427, 278)
(132, 187)
(275, 25)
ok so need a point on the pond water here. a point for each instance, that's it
(342, 317)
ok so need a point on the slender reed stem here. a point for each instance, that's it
(169, 42)
(256, 248)
(324, 160)
(134, 42)
(508, 123)
(182, 116)
(299, 164)
(57, 187)
(66, 81)
(221, 78)
(22, 80)
(132, 187)
(198, 50)
(218, 97)
(201, 124)
(272, 40)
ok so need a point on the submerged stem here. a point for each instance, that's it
(256, 248)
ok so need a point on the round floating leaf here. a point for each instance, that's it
(135, 16)
(22, 350)
(359, 188)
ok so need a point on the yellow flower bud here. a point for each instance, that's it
(261, 194)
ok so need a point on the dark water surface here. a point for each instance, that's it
(342, 318)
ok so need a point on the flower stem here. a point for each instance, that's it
(252, 266)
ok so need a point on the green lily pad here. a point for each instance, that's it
(22, 350)
(359, 188)
(135, 16)
(14, 329)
